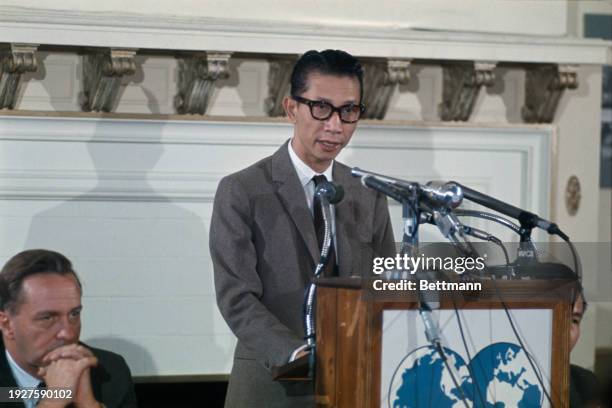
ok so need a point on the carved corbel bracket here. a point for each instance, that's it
(15, 60)
(279, 83)
(103, 72)
(544, 86)
(380, 78)
(461, 86)
(197, 76)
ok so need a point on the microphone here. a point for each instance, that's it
(440, 193)
(388, 189)
(436, 194)
(527, 219)
(408, 185)
(332, 192)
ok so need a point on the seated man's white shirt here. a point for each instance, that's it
(23, 379)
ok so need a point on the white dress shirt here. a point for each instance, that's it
(305, 174)
(23, 379)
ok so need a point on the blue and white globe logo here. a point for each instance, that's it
(501, 377)
(505, 377)
(422, 380)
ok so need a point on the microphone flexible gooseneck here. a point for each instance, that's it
(328, 193)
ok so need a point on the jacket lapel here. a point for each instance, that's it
(293, 198)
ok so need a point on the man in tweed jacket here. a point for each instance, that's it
(262, 237)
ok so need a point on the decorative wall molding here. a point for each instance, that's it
(544, 86)
(15, 60)
(461, 86)
(86, 185)
(279, 84)
(54, 85)
(102, 75)
(197, 76)
(279, 41)
(252, 85)
(24, 25)
(22, 180)
(573, 195)
(380, 80)
(152, 88)
(263, 132)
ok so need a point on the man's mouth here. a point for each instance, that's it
(329, 144)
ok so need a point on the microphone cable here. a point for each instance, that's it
(518, 338)
(432, 335)
(467, 352)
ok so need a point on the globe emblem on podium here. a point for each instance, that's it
(422, 380)
(503, 374)
(499, 376)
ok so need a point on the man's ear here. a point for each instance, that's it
(290, 106)
(5, 324)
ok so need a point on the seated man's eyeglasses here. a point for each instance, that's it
(321, 110)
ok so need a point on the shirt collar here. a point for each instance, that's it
(22, 378)
(304, 172)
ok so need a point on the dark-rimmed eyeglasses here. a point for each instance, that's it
(321, 110)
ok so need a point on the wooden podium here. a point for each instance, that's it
(349, 329)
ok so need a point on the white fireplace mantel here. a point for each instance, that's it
(157, 32)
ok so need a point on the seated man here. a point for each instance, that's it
(584, 387)
(40, 319)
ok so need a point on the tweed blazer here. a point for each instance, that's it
(264, 250)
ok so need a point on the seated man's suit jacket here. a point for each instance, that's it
(584, 390)
(111, 380)
(264, 250)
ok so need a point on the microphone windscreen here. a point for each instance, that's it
(332, 192)
(338, 196)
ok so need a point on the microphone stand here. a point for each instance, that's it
(411, 213)
(526, 251)
(309, 299)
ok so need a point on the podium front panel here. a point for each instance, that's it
(372, 352)
(488, 361)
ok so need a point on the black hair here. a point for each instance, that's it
(577, 294)
(327, 62)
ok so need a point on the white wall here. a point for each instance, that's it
(130, 201)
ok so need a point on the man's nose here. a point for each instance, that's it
(68, 330)
(334, 123)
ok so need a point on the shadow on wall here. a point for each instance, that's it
(125, 348)
(142, 258)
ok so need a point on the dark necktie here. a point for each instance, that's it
(331, 269)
